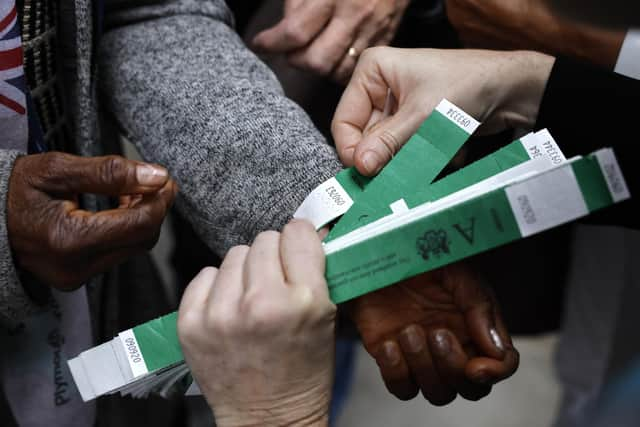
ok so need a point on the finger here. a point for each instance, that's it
(367, 37)
(327, 50)
(129, 201)
(136, 227)
(262, 266)
(378, 146)
(376, 117)
(124, 201)
(416, 352)
(478, 306)
(503, 333)
(484, 370)
(450, 361)
(137, 198)
(366, 92)
(347, 64)
(229, 287)
(291, 5)
(385, 38)
(109, 175)
(302, 256)
(299, 27)
(193, 306)
(196, 293)
(395, 371)
(390, 106)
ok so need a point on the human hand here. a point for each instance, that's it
(318, 35)
(258, 334)
(501, 89)
(439, 332)
(531, 25)
(63, 245)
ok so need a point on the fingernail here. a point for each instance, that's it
(151, 175)
(481, 378)
(442, 342)
(414, 339)
(496, 339)
(371, 162)
(391, 353)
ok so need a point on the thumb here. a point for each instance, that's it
(109, 175)
(382, 141)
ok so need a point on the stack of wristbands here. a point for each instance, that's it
(399, 224)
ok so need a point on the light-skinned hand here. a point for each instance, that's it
(258, 334)
(500, 89)
(317, 35)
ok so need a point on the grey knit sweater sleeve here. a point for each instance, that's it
(15, 305)
(192, 97)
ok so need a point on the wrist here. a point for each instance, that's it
(268, 420)
(525, 76)
(307, 409)
(265, 417)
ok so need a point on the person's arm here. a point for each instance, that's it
(500, 89)
(327, 36)
(584, 107)
(531, 25)
(48, 240)
(259, 333)
(191, 96)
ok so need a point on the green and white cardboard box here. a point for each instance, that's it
(403, 225)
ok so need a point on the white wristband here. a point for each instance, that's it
(629, 57)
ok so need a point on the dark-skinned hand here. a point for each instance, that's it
(439, 333)
(62, 245)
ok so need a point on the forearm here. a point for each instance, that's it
(531, 25)
(547, 32)
(585, 43)
(190, 96)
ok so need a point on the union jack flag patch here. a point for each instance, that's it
(14, 123)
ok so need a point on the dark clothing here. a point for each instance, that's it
(586, 108)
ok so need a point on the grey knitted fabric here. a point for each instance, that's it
(14, 302)
(189, 94)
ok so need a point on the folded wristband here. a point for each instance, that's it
(421, 159)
